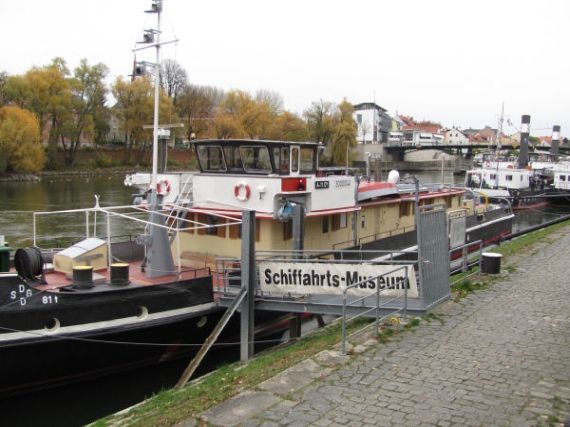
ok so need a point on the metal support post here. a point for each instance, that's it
(419, 232)
(248, 282)
(298, 246)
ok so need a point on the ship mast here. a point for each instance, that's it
(158, 255)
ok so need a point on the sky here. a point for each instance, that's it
(449, 61)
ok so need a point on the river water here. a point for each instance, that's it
(19, 200)
(80, 404)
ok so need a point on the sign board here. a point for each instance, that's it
(457, 227)
(319, 185)
(163, 133)
(318, 278)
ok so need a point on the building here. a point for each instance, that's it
(481, 136)
(454, 136)
(373, 121)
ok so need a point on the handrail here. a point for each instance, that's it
(376, 307)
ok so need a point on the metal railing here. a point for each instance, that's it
(465, 251)
(377, 306)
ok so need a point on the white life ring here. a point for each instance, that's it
(242, 191)
(487, 164)
(163, 187)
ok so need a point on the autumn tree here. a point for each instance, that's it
(320, 121)
(344, 136)
(288, 127)
(88, 96)
(20, 147)
(3, 79)
(173, 78)
(134, 109)
(46, 92)
(196, 107)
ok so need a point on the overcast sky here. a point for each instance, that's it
(448, 61)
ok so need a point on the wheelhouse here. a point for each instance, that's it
(257, 157)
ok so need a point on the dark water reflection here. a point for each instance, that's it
(19, 200)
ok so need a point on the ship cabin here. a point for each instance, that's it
(270, 177)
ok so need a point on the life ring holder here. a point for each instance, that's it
(163, 187)
(242, 192)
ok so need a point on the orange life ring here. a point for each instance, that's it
(163, 187)
(242, 191)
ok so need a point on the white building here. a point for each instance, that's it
(373, 123)
(454, 136)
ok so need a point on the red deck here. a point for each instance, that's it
(57, 280)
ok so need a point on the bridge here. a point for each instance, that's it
(396, 148)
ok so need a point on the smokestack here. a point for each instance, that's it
(555, 140)
(525, 130)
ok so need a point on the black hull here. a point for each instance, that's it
(50, 363)
(54, 338)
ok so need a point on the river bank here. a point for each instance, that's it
(308, 381)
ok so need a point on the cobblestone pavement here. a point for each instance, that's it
(499, 357)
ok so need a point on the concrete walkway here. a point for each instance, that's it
(499, 357)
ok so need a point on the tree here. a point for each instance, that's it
(46, 92)
(344, 134)
(288, 127)
(3, 79)
(196, 106)
(88, 96)
(173, 78)
(134, 109)
(20, 147)
(320, 121)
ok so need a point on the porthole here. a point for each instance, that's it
(53, 324)
(202, 322)
(142, 312)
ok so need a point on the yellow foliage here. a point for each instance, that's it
(20, 147)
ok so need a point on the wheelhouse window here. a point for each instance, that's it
(233, 159)
(281, 158)
(509, 177)
(211, 158)
(307, 160)
(255, 159)
(295, 159)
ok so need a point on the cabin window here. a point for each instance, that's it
(233, 159)
(215, 225)
(255, 159)
(492, 176)
(508, 177)
(307, 160)
(235, 231)
(405, 208)
(189, 218)
(339, 221)
(562, 178)
(325, 224)
(295, 159)
(210, 158)
(281, 158)
(288, 230)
